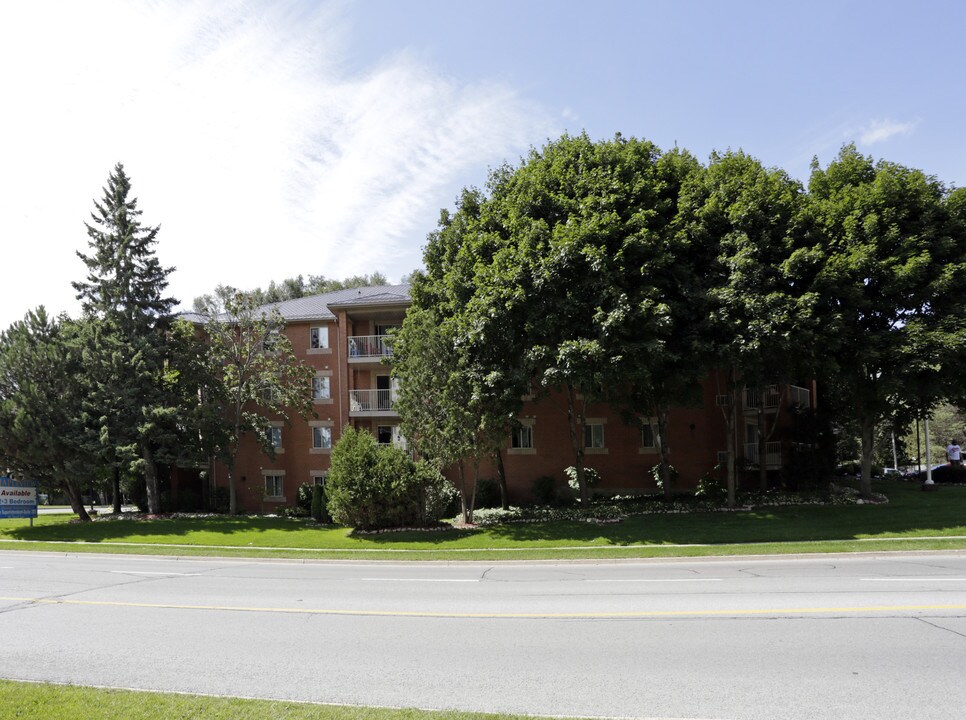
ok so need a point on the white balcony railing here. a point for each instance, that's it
(799, 396)
(773, 396)
(373, 402)
(773, 453)
(368, 346)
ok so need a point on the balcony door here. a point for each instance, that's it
(383, 392)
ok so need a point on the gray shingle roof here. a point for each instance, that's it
(316, 307)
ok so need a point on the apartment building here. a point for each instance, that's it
(342, 336)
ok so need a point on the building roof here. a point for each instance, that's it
(316, 307)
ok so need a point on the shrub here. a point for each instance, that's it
(317, 506)
(440, 498)
(487, 493)
(656, 474)
(219, 500)
(545, 490)
(591, 477)
(304, 499)
(711, 489)
(189, 501)
(371, 486)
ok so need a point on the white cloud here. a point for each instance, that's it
(245, 137)
(881, 130)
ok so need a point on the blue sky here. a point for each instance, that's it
(272, 139)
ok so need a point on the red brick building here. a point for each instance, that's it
(341, 335)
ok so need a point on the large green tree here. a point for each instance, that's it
(890, 277)
(123, 298)
(573, 273)
(655, 318)
(255, 376)
(42, 431)
(450, 341)
(592, 279)
(759, 314)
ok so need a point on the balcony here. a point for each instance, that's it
(368, 349)
(773, 454)
(372, 403)
(799, 396)
(774, 395)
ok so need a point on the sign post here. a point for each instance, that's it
(18, 498)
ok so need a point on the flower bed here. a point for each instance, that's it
(615, 509)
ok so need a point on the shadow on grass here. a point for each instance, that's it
(910, 512)
(164, 528)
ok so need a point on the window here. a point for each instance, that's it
(275, 437)
(273, 486)
(751, 433)
(522, 438)
(318, 478)
(384, 434)
(322, 438)
(649, 434)
(594, 435)
(320, 388)
(318, 338)
(271, 395)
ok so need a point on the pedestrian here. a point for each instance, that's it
(954, 453)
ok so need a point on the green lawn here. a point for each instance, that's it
(911, 520)
(40, 701)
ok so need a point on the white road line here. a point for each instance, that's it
(146, 572)
(654, 580)
(533, 580)
(915, 579)
(429, 580)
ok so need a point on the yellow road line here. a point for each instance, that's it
(496, 615)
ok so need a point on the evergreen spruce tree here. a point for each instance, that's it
(123, 297)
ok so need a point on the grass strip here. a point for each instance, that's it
(911, 520)
(48, 701)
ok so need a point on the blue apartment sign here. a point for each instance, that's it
(18, 498)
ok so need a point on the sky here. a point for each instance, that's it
(272, 139)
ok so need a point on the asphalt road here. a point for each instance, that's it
(833, 637)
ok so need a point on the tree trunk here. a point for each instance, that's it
(116, 490)
(573, 421)
(731, 415)
(151, 480)
(232, 495)
(762, 442)
(665, 451)
(730, 433)
(76, 504)
(464, 504)
(501, 478)
(868, 435)
(476, 480)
